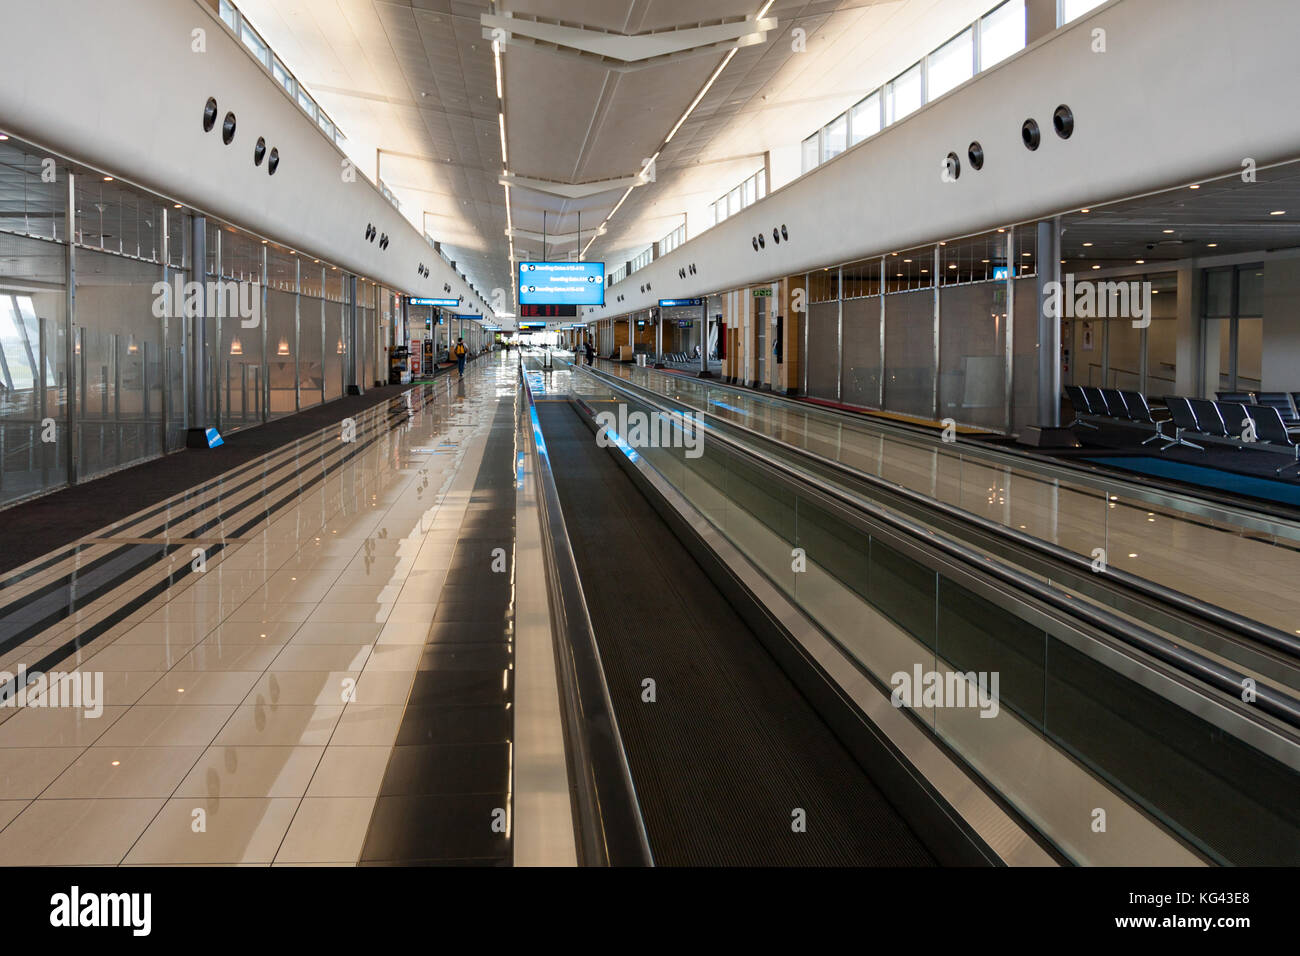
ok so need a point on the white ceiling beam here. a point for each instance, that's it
(623, 51)
(551, 238)
(570, 190)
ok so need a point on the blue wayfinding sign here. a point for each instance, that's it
(214, 438)
(562, 283)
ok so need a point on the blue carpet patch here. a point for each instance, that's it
(1228, 481)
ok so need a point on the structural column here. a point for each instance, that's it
(1048, 433)
(196, 435)
(704, 338)
(350, 376)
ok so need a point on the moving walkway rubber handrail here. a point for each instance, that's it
(1217, 617)
(610, 827)
(1199, 667)
(1205, 503)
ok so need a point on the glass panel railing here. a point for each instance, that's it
(1111, 757)
(1174, 546)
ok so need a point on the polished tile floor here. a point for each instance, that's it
(258, 640)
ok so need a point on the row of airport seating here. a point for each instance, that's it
(1243, 424)
(677, 358)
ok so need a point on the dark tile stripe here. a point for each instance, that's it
(450, 766)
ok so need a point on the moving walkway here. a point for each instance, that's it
(1109, 743)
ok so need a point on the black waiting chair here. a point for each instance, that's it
(1081, 407)
(1184, 419)
(1116, 403)
(1236, 418)
(1271, 429)
(1239, 398)
(1139, 410)
(1284, 405)
(1209, 419)
(1097, 401)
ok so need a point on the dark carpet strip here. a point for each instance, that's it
(448, 779)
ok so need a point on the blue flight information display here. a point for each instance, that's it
(562, 283)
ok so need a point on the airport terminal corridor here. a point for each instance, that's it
(618, 445)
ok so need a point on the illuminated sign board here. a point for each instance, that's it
(674, 303)
(562, 283)
(469, 318)
(548, 311)
(532, 326)
(439, 303)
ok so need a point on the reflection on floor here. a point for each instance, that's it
(256, 647)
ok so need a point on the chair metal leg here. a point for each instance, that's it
(1082, 424)
(1179, 440)
(1159, 435)
(1294, 464)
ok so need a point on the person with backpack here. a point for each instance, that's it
(459, 351)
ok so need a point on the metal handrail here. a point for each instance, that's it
(610, 827)
(1219, 617)
(1196, 666)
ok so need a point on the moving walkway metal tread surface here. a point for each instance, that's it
(730, 748)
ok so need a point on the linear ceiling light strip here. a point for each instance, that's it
(685, 116)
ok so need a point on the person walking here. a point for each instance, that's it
(590, 351)
(459, 352)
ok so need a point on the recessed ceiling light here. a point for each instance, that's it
(1193, 187)
(1085, 210)
(1141, 262)
(1096, 267)
(1213, 245)
(176, 206)
(109, 179)
(1169, 232)
(1278, 212)
(3, 137)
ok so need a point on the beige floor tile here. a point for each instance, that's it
(306, 687)
(337, 633)
(134, 657)
(350, 772)
(271, 725)
(10, 809)
(75, 832)
(404, 632)
(351, 613)
(228, 657)
(368, 725)
(265, 612)
(198, 688)
(264, 633)
(322, 657)
(383, 687)
(418, 612)
(251, 772)
(395, 657)
(180, 635)
(236, 830)
(26, 771)
(176, 725)
(124, 772)
(56, 727)
(327, 831)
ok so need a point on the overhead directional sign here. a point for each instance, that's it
(440, 303)
(674, 303)
(562, 283)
